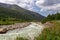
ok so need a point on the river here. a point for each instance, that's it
(29, 32)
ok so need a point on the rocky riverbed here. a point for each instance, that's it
(5, 28)
(31, 31)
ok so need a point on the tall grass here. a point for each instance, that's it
(51, 33)
(21, 38)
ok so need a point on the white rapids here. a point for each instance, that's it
(30, 32)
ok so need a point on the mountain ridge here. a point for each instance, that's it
(15, 11)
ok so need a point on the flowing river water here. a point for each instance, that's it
(29, 32)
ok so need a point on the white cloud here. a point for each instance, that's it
(11, 1)
(22, 5)
(8, 1)
(3, 1)
(49, 4)
(27, 4)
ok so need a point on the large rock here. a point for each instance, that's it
(3, 30)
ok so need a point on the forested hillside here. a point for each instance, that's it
(11, 13)
(51, 17)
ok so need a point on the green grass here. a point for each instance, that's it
(21, 38)
(51, 33)
(11, 21)
(7, 22)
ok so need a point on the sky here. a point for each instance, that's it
(43, 7)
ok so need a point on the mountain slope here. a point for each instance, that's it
(14, 11)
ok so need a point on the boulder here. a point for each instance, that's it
(3, 30)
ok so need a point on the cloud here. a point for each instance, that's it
(8, 1)
(49, 4)
(3, 1)
(27, 4)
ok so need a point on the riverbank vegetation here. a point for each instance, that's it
(51, 33)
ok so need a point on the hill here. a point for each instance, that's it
(14, 12)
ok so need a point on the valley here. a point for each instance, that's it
(17, 23)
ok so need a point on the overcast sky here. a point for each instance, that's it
(44, 7)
